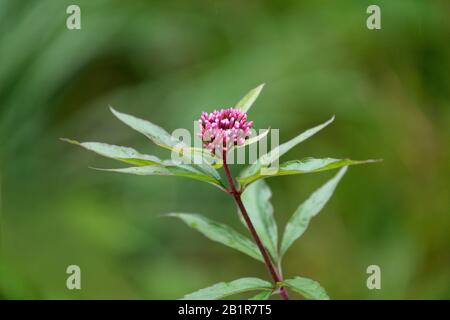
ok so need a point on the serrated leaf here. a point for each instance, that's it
(265, 160)
(223, 289)
(256, 199)
(308, 288)
(124, 154)
(299, 221)
(167, 169)
(306, 165)
(263, 295)
(221, 233)
(247, 101)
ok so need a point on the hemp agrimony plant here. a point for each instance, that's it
(221, 132)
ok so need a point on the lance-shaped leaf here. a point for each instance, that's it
(124, 154)
(263, 295)
(256, 199)
(285, 147)
(246, 102)
(308, 288)
(265, 160)
(155, 133)
(158, 166)
(224, 289)
(220, 233)
(307, 165)
(168, 169)
(299, 221)
(162, 138)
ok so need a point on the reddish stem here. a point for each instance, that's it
(276, 277)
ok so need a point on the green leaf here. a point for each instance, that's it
(220, 233)
(231, 155)
(223, 289)
(208, 170)
(162, 138)
(205, 155)
(256, 199)
(306, 165)
(299, 221)
(157, 166)
(263, 295)
(167, 169)
(246, 102)
(124, 154)
(265, 160)
(285, 147)
(310, 289)
(155, 133)
(252, 140)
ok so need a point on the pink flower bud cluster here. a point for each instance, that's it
(224, 128)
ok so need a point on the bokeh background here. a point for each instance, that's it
(169, 60)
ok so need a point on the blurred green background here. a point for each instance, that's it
(169, 60)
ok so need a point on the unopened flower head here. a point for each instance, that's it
(224, 128)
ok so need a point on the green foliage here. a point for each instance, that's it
(251, 140)
(306, 211)
(169, 169)
(307, 165)
(151, 165)
(266, 160)
(223, 289)
(256, 199)
(162, 138)
(255, 195)
(247, 101)
(310, 289)
(277, 152)
(220, 233)
(388, 89)
(263, 295)
(124, 154)
(155, 133)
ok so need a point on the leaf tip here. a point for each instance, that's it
(71, 141)
(342, 171)
(332, 118)
(168, 215)
(113, 111)
(99, 169)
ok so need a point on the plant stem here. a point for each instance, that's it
(276, 276)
